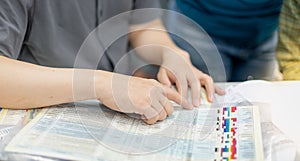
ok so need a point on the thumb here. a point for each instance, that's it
(163, 78)
(173, 95)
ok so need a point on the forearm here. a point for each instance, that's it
(25, 85)
(151, 40)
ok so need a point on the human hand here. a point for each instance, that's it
(177, 69)
(146, 97)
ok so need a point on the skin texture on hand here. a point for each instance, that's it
(44, 86)
(153, 44)
(183, 74)
(146, 97)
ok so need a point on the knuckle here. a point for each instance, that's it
(207, 78)
(154, 83)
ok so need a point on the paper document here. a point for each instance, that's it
(90, 132)
(10, 118)
(277, 145)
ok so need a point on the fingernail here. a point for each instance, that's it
(196, 102)
(187, 105)
(210, 98)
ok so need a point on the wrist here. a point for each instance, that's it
(177, 51)
(102, 84)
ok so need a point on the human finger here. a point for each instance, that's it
(219, 90)
(165, 102)
(208, 83)
(176, 97)
(159, 109)
(151, 115)
(195, 90)
(163, 78)
(182, 86)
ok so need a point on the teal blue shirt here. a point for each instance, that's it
(240, 22)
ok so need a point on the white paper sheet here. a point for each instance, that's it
(276, 101)
(89, 133)
(10, 118)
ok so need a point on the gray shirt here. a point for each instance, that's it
(51, 32)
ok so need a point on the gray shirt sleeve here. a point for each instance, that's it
(145, 11)
(13, 26)
(138, 4)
